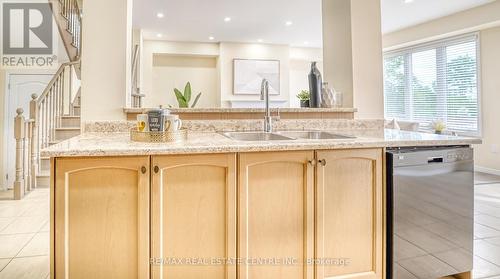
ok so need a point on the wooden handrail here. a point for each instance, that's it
(54, 79)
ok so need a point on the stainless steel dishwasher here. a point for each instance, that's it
(430, 212)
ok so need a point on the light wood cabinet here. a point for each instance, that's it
(349, 212)
(194, 216)
(276, 215)
(291, 214)
(101, 218)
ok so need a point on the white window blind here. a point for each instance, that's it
(436, 81)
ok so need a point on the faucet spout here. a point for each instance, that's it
(264, 95)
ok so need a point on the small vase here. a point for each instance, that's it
(315, 84)
(304, 103)
(326, 96)
(438, 132)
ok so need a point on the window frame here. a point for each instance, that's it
(406, 52)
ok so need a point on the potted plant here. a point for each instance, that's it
(184, 98)
(304, 97)
(439, 126)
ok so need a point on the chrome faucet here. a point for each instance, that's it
(264, 95)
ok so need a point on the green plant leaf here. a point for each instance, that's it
(187, 92)
(196, 100)
(180, 98)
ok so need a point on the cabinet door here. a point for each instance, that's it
(349, 210)
(276, 218)
(194, 216)
(102, 218)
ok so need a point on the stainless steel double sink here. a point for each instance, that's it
(284, 135)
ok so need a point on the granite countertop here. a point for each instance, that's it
(245, 110)
(119, 144)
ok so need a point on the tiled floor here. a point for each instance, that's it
(24, 237)
(24, 233)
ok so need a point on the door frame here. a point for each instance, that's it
(6, 99)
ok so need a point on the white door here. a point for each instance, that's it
(18, 96)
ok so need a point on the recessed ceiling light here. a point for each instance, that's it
(159, 35)
(211, 38)
(260, 40)
(288, 23)
(160, 15)
(227, 19)
(408, 1)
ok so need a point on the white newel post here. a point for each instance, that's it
(34, 140)
(19, 135)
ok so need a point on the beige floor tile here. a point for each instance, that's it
(37, 209)
(481, 231)
(4, 222)
(493, 240)
(3, 263)
(38, 246)
(26, 268)
(13, 210)
(487, 251)
(46, 227)
(10, 245)
(484, 269)
(487, 220)
(25, 225)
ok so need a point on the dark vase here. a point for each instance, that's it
(315, 86)
(304, 103)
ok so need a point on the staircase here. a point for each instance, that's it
(54, 116)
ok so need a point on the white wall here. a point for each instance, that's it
(209, 67)
(482, 19)
(106, 59)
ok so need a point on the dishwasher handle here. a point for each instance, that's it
(435, 160)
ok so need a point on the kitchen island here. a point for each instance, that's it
(213, 207)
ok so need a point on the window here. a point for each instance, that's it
(436, 81)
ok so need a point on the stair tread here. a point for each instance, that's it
(71, 116)
(43, 174)
(75, 128)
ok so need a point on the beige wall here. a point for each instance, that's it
(490, 84)
(106, 59)
(367, 64)
(338, 53)
(171, 72)
(475, 19)
(353, 53)
(482, 19)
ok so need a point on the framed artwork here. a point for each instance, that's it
(249, 73)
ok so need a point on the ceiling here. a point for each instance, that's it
(251, 20)
(265, 20)
(396, 14)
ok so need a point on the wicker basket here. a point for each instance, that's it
(176, 136)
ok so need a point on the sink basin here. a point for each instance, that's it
(313, 135)
(255, 136)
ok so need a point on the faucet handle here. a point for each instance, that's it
(278, 116)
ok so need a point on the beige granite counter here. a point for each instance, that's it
(119, 144)
(242, 110)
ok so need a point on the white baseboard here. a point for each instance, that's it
(487, 170)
